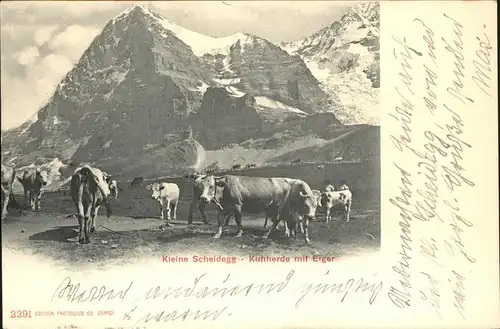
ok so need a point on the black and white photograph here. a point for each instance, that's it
(143, 129)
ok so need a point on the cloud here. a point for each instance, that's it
(23, 96)
(73, 41)
(44, 33)
(28, 56)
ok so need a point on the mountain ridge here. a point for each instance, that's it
(139, 84)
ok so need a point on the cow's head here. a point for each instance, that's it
(211, 188)
(343, 187)
(317, 195)
(308, 204)
(156, 191)
(42, 177)
(326, 198)
(112, 185)
(329, 188)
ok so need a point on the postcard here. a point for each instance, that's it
(219, 164)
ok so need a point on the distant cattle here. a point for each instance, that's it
(320, 167)
(8, 176)
(338, 159)
(236, 167)
(33, 180)
(330, 199)
(90, 188)
(167, 195)
(190, 177)
(296, 161)
(238, 194)
(248, 166)
(137, 181)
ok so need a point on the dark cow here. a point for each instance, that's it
(8, 176)
(236, 166)
(90, 187)
(196, 200)
(296, 161)
(33, 180)
(238, 194)
(137, 181)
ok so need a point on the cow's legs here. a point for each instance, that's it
(86, 224)
(228, 218)
(6, 197)
(25, 198)
(81, 238)
(292, 225)
(168, 206)
(237, 218)
(305, 224)
(191, 210)
(93, 215)
(347, 212)
(201, 208)
(161, 211)
(37, 200)
(287, 229)
(300, 226)
(220, 220)
(265, 222)
(32, 200)
(174, 210)
(276, 221)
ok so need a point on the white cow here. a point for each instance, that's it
(331, 198)
(167, 195)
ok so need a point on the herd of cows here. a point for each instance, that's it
(280, 199)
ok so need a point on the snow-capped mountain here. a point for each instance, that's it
(345, 58)
(144, 79)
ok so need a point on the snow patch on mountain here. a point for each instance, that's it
(200, 44)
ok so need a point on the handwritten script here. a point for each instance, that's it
(434, 87)
(198, 290)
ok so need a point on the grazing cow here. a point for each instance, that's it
(33, 180)
(8, 176)
(167, 195)
(238, 194)
(296, 161)
(337, 159)
(248, 166)
(196, 200)
(330, 199)
(320, 167)
(90, 188)
(236, 166)
(137, 181)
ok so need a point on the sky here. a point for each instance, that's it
(42, 40)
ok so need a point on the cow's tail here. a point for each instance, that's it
(86, 171)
